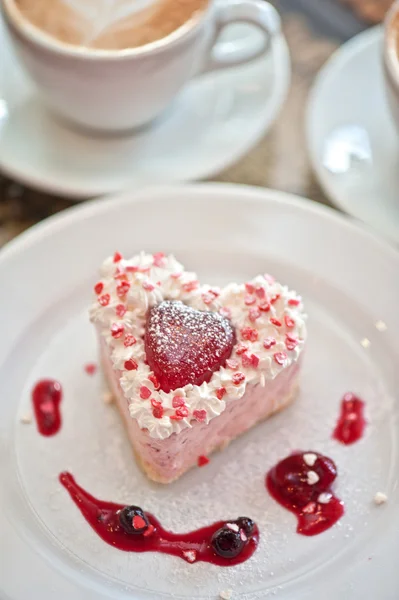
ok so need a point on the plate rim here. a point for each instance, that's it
(340, 56)
(102, 204)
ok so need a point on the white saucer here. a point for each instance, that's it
(348, 108)
(225, 233)
(213, 123)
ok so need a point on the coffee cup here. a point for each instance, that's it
(391, 60)
(118, 89)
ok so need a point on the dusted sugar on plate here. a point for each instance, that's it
(193, 366)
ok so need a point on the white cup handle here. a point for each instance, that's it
(258, 13)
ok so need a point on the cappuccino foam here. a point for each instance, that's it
(109, 24)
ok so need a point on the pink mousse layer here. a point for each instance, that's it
(165, 460)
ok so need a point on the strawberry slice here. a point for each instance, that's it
(184, 345)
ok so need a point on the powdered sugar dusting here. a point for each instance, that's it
(267, 317)
(185, 346)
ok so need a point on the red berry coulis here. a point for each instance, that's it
(302, 484)
(129, 528)
(351, 422)
(46, 399)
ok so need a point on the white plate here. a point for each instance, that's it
(349, 91)
(349, 282)
(215, 121)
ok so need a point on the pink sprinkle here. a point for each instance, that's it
(138, 522)
(250, 334)
(123, 288)
(117, 330)
(158, 412)
(190, 286)
(254, 314)
(202, 461)
(190, 555)
(294, 302)
(246, 361)
(159, 259)
(176, 275)
(290, 323)
(154, 381)
(130, 365)
(280, 358)
(250, 288)
(220, 392)
(290, 342)
(104, 300)
(264, 306)
(260, 292)
(200, 415)
(215, 291)
(238, 378)
(274, 299)
(208, 298)
(175, 417)
(232, 363)
(155, 403)
(131, 268)
(178, 401)
(275, 322)
(130, 340)
(98, 288)
(90, 368)
(241, 348)
(120, 310)
(249, 300)
(182, 411)
(145, 392)
(117, 257)
(250, 361)
(269, 342)
(225, 312)
(148, 286)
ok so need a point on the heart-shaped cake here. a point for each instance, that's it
(190, 364)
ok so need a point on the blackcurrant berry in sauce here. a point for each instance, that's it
(246, 524)
(133, 520)
(227, 542)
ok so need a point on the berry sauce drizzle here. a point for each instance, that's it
(351, 423)
(302, 484)
(46, 399)
(128, 528)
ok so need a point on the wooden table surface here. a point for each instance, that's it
(314, 29)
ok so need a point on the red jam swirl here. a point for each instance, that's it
(46, 399)
(132, 530)
(351, 422)
(302, 484)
